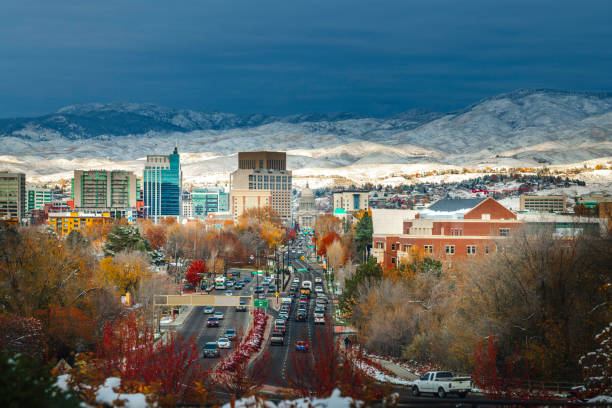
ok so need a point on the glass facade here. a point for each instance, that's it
(209, 200)
(163, 186)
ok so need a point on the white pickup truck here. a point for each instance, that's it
(441, 383)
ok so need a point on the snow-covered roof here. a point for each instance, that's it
(390, 221)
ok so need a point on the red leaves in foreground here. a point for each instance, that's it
(233, 374)
(128, 351)
(506, 382)
(326, 367)
(22, 335)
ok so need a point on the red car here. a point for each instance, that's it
(301, 345)
(212, 322)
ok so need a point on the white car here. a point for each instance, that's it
(228, 293)
(319, 289)
(318, 279)
(219, 315)
(209, 309)
(224, 342)
(296, 280)
(319, 319)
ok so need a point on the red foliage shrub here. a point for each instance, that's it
(194, 269)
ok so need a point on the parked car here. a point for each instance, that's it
(301, 345)
(211, 349)
(224, 342)
(441, 383)
(212, 322)
(209, 309)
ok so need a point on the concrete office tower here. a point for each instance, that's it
(262, 180)
(12, 196)
(103, 189)
(163, 186)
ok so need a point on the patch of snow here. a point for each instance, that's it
(335, 400)
(106, 395)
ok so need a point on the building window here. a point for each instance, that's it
(450, 249)
(504, 232)
(428, 249)
(471, 249)
(487, 249)
(393, 247)
(379, 245)
(392, 260)
(407, 247)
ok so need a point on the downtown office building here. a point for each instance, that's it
(163, 186)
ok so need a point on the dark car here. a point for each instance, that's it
(211, 349)
(301, 345)
(300, 315)
(246, 279)
(212, 322)
(277, 337)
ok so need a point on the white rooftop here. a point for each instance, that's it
(390, 221)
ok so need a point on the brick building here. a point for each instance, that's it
(449, 229)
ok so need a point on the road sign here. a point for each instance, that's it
(257, 273)
(260, 303)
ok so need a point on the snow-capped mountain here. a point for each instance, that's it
(526, 127)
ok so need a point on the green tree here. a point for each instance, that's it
(27, 383)
(125, 237)
(367, 274)
(363, 232)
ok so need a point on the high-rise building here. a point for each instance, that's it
(104, 189)
(209, 200)
(163, 186)
(12, 196)
(262, 179)
(38, 197)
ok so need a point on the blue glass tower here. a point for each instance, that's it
(163, 186)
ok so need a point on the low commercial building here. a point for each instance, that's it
(65, 222)
(543, 203)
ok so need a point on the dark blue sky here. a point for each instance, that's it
(281, 57)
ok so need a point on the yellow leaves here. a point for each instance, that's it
(124, 271)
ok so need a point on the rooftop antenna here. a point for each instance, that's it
(176, 146)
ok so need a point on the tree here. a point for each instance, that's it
(195, 272)
(67, 329)
(23, 335)
(155, 234)
(326, 223)
(124, 237)
(366, 274)
(335, 255)
(125, 270)
(327, 240)
(28, 383)
(363, 232)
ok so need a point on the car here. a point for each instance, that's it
(230, 333)
(212, 322)
(259, 289)
(282, 327)
(211, 349)
(284, 315)
(301, 345)
(228, 293)
(219, 315)
(271, 289)
(238, 286)
(319, 314)
(242, 307)
(209, 288)
(318, 289)
(246, 279)
(224, 342)
(318, 279)
(261, 296)
(300, 315)
(209, 309)
(277, 337)
(319, 309)
(319, 319)
(230, 283)
(296, 280)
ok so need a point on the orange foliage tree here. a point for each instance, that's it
(326, 241)
(155, 234)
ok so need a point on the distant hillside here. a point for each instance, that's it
(528, 127)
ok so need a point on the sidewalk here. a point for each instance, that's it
(396, 369)
(179, 320)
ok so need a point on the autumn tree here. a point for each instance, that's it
(125, 270)
(327, 223)
(195, 272)
(155, 234)
(327, 240)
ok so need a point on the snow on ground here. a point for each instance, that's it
(105, 395)
(605, 399)
(380, 376)
(335, 400)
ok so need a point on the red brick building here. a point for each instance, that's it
(449, 229)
